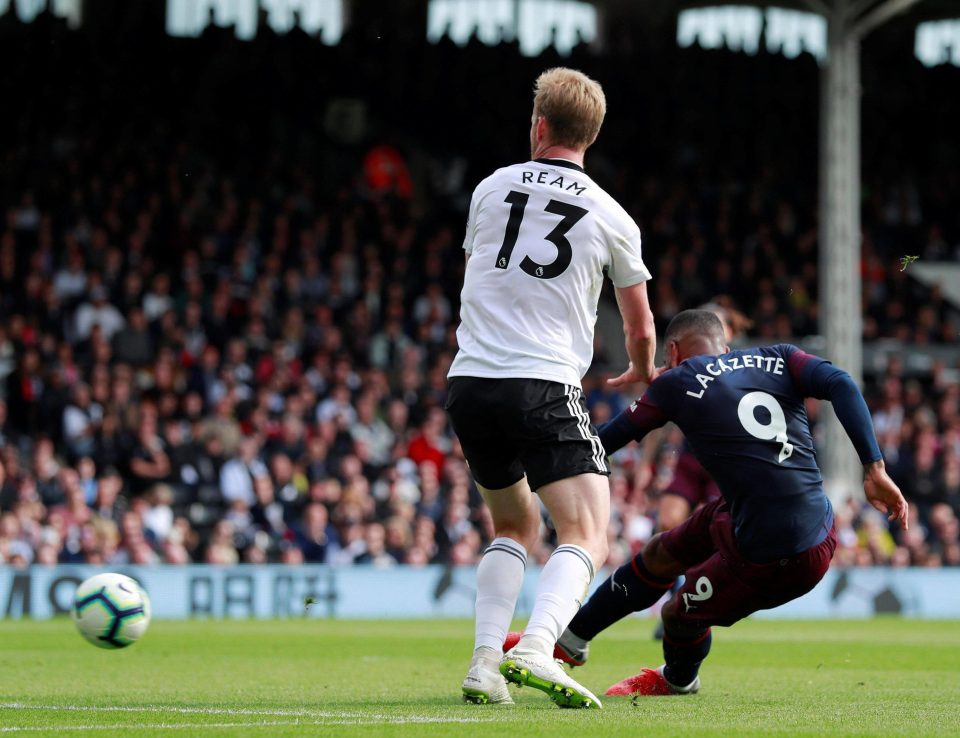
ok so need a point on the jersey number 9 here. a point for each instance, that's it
(775, 430)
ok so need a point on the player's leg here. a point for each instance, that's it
(565, 464)
(721, 591)
(687, 618)
(709, 596)
(640, 582)
(472, 407)
(579, 507)
(685, 644)
(725, 589)
(658, 628)
(516, 521)
(674, 507)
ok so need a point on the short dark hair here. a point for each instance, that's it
(702, 322)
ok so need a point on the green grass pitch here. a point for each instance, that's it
(314, 677)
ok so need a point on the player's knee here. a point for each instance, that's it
(600, 552)
(524, 529)
(521, 534)
(521, 524)
(658, 560)
(531, 533)
(595, 545)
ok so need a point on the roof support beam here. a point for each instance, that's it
(858, 7)
(848, 21)
(840, 237)
(818, 6)
(880, 15)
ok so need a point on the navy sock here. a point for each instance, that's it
(684, 656)
(629, 589)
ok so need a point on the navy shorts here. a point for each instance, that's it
(511, 427)
(721, 585)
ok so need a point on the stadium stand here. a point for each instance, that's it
(219, 358)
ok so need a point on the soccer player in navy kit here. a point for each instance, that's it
(691, 486)
(770, 538)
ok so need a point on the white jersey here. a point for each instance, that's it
(540, 236)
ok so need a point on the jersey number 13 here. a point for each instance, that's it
(570, 215)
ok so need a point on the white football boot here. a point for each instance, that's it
(484, 684)
(537, 670)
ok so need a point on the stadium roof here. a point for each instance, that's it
(918, 9)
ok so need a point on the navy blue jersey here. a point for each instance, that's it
(744, 418)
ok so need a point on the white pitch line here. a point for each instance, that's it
(325, 717)
(172, 726)
(260, 724)
(147, 726)
(179, 710)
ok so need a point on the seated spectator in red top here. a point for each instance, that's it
(430, 445)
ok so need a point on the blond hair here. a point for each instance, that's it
(572, 103)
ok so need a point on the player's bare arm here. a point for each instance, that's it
(884, 494)
(648, 452)
(640, 335)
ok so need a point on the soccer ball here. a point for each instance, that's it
(111, 610)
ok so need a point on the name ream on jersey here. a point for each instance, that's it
(544, 177)
(772, 364)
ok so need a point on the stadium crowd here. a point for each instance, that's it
(207, 357)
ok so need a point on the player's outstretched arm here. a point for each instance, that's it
(828, 382)
(884, 494)
(630, 425)
(615, 433)
(640, 335)
(823, 380)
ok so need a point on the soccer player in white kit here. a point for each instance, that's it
(540, 237)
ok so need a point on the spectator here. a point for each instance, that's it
(157, 301)
(315, 537)
(149, 462)
(238, 474)
(174, 318)
(81, 420)
(133, 344)
(375, 552)
(430, 444)
(109, 505)
(158, 515)
(372, 431)
(70, 282)
(25, 387)
(98, 312)
(221, 549)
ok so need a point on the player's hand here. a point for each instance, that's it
(643, 476)
(632, 376)
(884, 494)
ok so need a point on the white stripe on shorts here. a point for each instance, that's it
(583, 423)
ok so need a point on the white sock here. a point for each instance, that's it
(561, 591)
(499, 580)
